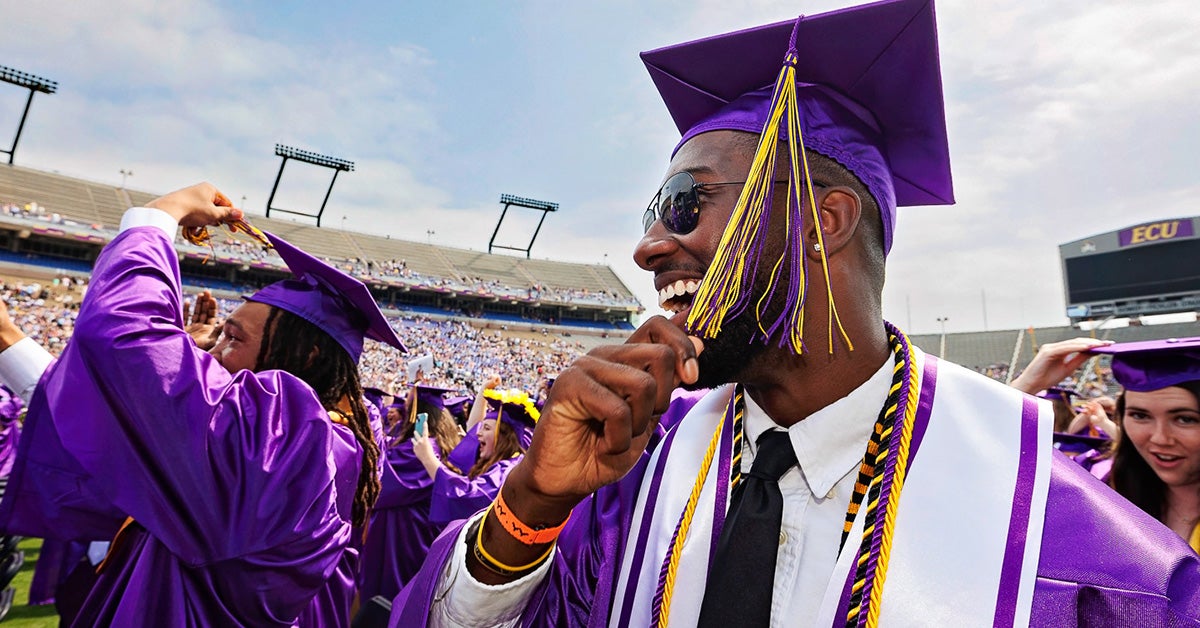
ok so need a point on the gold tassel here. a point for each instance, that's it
(722, 292)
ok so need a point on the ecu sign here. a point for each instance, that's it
(1155, 231)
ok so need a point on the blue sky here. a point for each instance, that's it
(1066, 119)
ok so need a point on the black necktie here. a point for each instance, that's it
(741, 574)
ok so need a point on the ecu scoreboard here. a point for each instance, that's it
(1150, 268)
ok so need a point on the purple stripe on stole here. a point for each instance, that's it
(721, 503)
(924, 408)
(1018, 523)
(639, 553)
(927, 392)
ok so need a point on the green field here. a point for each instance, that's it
(22, 615)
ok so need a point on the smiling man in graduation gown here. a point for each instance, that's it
(241, 472)
(835, 474)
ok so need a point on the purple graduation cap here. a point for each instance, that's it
(337, 303)
(459, 407)
(517, 409)
(1154, 364)
(860, 85)
(375, 397)
(431, 396)
(1058, 393)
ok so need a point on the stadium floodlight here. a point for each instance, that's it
(316, 159)
(508, 200)
(325, 161)
(34, 84)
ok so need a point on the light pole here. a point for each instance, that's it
(942, 351)
(125, 173)
(429, 236)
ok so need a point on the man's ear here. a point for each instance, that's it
(839, 209)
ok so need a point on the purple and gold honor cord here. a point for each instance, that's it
(880, 480)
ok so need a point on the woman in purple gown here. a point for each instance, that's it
(504, 434)
(400, 532)
(1156, 463)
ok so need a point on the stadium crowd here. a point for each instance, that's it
(462, 354)
(391, 270)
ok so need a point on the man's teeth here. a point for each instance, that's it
(680, 288)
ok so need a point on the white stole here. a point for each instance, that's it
(962, 553)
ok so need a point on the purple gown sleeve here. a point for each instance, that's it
(405, 480)
(458, 496)
(214, 465)
(49, 495)
(464, 454)
(1105, 562)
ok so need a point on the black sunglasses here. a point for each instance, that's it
(677, 203)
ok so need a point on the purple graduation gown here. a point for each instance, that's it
(458, 496)
(400, 533)
(1101, 557)
(10, 430)
(56, 560)
(239, 486)
(466, 452)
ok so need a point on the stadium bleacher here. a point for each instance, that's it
(424, 267)
(979, 350)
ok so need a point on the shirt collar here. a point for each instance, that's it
(829, 443)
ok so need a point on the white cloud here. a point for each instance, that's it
(1065, 119)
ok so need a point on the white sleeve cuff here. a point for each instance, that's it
(461, 600)
(22, 365)
(149, 217)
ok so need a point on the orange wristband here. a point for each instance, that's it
(518, 529)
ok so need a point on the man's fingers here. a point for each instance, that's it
(658, 361)
(619, 397)
(220, 200)
(206, 308)
(658, 330)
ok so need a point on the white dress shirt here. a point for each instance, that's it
(829, 447)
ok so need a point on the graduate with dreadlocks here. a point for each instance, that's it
(835, 474)
(241, 472)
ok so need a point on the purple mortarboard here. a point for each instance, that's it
(375, 397)
(517, 409)
(432, 395)
(860, 85)
(1058, 393)
(1154, 364)
(1078, 443)
(337, 303)
(459, 406)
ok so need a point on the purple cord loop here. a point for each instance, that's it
(792, 57)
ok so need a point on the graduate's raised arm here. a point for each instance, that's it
(594, 427)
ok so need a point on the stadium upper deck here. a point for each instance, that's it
(421, 275)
